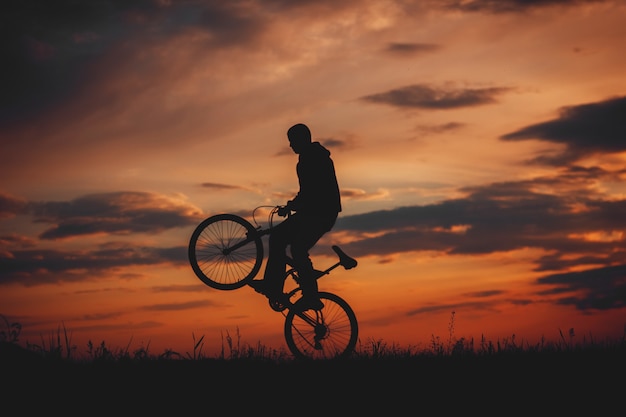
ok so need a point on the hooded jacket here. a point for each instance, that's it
(319, 190)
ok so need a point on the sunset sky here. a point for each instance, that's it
(480, 147)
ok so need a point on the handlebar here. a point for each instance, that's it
(283, 211)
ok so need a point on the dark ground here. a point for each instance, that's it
(554, 383)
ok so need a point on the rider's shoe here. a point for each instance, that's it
(262, 286)
(310, 303)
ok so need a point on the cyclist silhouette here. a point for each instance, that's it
(315, 209)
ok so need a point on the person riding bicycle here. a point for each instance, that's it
(315, 209)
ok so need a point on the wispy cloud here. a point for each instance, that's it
(422, 96)
(179, 306)
(221, 187)
(437, 129)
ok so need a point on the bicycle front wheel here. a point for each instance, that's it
(213, 258)
(329, 333)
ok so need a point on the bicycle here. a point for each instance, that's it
(226, 252)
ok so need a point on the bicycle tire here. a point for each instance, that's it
(338, 330)
(219, 270)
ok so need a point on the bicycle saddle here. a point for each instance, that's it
(345, 261)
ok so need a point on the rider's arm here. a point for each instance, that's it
(284, 210)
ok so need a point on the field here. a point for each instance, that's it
(485, 378)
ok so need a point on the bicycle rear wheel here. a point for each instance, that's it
(213, 261)
(329, 333)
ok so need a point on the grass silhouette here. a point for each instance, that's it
(448, 376)
(59, 346)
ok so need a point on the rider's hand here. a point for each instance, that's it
(283, 211)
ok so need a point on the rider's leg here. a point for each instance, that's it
(306, 278)
(311, 229)
(304, 266)
(274, 276)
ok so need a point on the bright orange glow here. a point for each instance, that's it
(600, 236)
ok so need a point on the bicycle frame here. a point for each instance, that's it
(344, 260)
(226, 252)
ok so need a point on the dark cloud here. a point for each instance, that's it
(594, 289)
(333, 143)
(39, 266)
(569, 220)
(482, 294)
(46, 47)
(435, 98)
(229, 23)
(309, 7)
(16, 241)
(53, 50)
(410, 49)
(490, 306)
(11, 206)
(501, 6)
(558, 262)
(586, 129)
(330, 143)
(107, 214)
(113, 213)
(497, 217)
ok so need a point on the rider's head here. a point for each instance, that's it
(299, 137)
